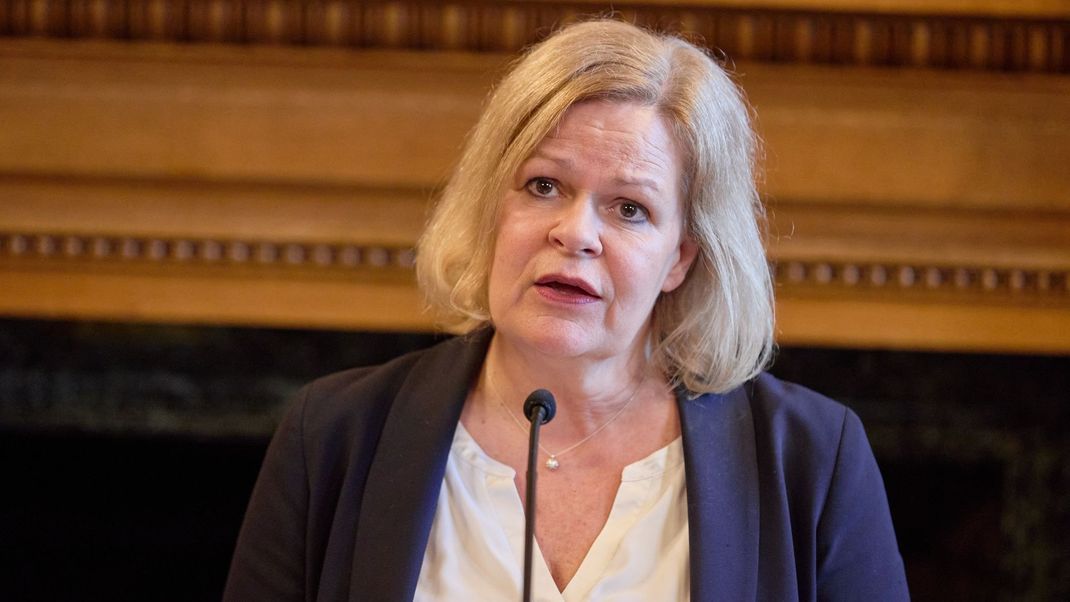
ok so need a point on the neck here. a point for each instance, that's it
(588, 392)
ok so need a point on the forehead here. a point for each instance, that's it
(620, 137)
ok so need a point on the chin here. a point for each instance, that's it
(565, 340)
(556, 338)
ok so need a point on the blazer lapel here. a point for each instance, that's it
(406, 474)
(722, 495)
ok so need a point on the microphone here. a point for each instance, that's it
(540, 399)
(539, 408)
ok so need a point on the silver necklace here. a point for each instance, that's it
(552, 463)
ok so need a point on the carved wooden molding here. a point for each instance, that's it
(72, 251)
(793, 32)
(1014, 284)
(846, 304)
(221, 184)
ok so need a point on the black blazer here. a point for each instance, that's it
(785, 501)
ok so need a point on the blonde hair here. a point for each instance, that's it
(715, 331)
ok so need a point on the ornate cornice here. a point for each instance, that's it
(199, 252)
(994, 282)
(791, 275)
(787, 35)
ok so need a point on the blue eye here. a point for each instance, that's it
(543, 187)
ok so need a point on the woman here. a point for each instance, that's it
(600, 239)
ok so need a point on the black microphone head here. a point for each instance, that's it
(540, 398)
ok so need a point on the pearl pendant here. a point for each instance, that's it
(552, 463)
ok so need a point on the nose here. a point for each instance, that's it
(577, 229)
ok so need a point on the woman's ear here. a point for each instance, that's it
(678, 273)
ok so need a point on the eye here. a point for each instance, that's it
(542, 187)
(632, 212)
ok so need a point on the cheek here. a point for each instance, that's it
(508, 262)
(636, 280)
(645, 275)
(499, 275)
(519, 236)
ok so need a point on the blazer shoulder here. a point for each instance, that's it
(815, 464)
(777, 402)
(363, 394)
(337, 391)
(802, 431)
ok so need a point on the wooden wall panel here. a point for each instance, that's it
(229, 113)
(223, 296)
(916, 137)
(204, 209)
(1001, 35)
(246, 184)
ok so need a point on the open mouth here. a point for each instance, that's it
(567, 287)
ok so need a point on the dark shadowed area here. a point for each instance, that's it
(129, 452)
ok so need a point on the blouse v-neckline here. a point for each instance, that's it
(650, 503)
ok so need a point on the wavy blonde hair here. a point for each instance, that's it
(715, 331)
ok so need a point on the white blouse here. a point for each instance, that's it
(476, 546)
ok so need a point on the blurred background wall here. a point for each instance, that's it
(205, 203)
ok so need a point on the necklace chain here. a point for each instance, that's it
(552, 463)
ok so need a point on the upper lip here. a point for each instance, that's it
(579, 283)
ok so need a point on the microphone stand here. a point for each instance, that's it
(539, 408)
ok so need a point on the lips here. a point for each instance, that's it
(566, 288)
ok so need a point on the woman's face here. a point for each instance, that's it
(590, 233)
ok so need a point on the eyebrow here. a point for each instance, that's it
(562, 162)
(648, 183)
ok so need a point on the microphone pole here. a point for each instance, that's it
(539, 408)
